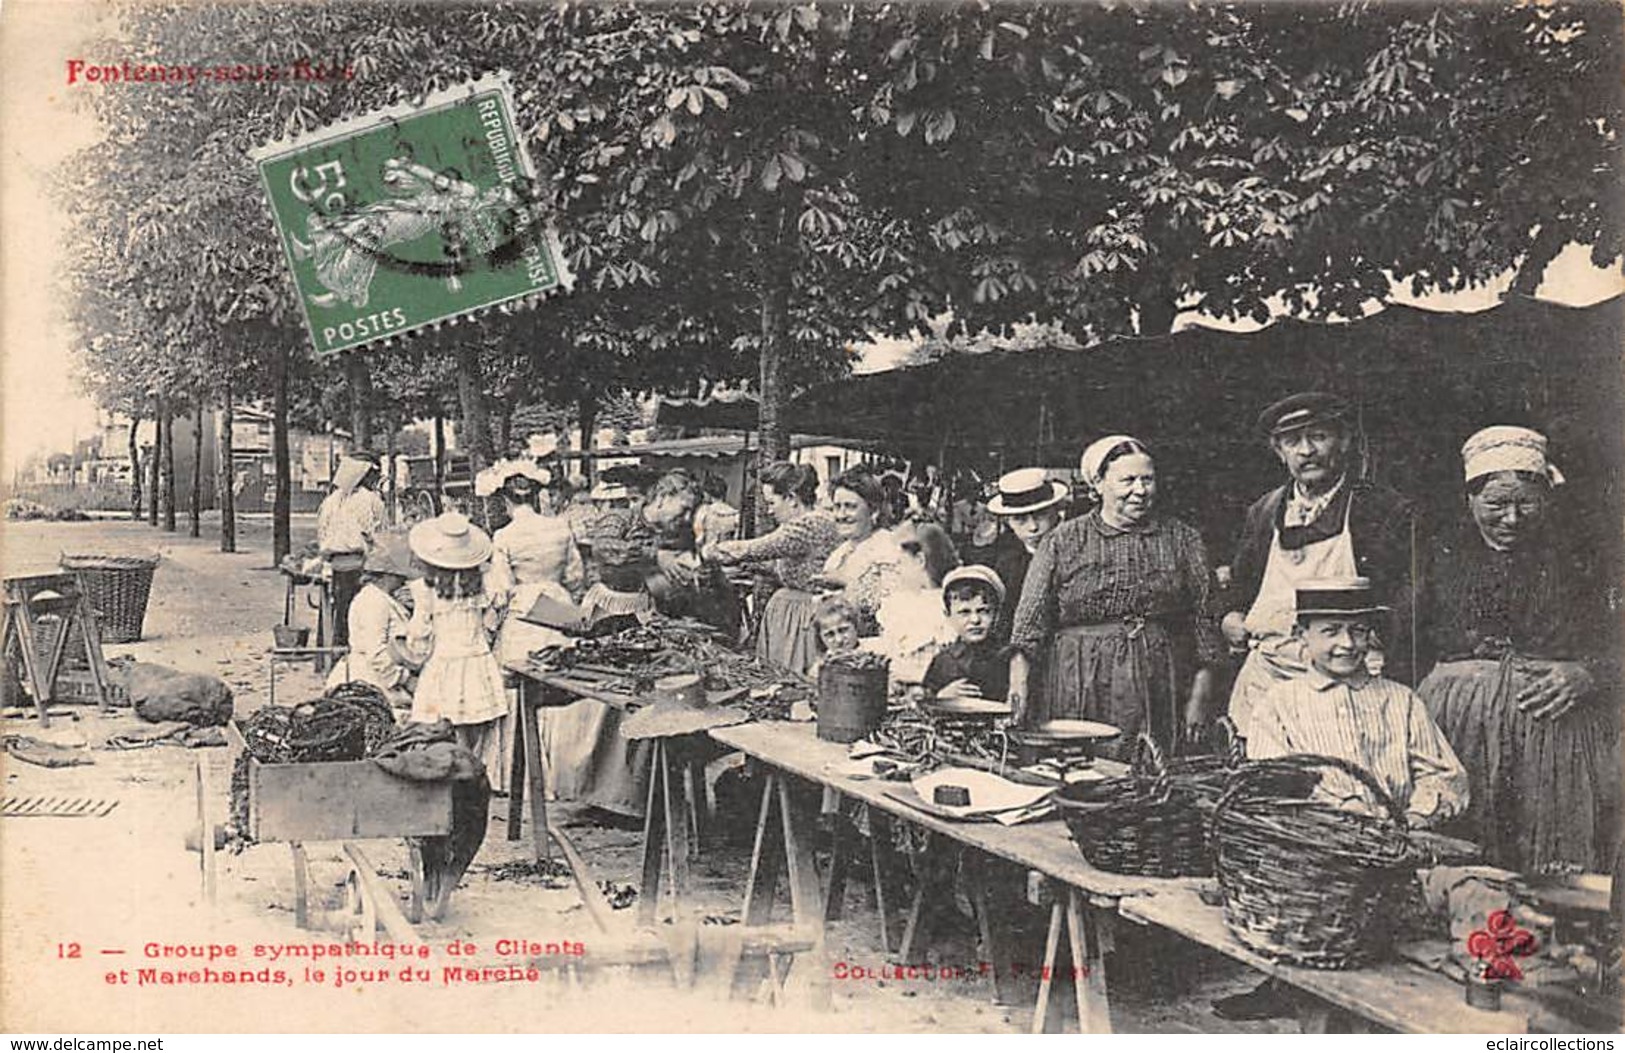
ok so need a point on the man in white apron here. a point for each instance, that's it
(1325, 523)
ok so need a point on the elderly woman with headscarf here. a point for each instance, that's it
(1526, 681)
(1115, 616)
(535, 555)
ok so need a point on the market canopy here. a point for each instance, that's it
(1423, 380)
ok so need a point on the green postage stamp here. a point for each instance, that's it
(409, 216)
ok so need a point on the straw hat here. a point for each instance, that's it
(1024, 491)
(350, 472)
(450, 541)
(1337, 597)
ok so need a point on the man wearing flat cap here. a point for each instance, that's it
(1324, 523)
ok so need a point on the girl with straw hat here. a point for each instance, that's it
(451, 625)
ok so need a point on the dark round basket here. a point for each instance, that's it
(1145, 823)
(1307, 882)
(117, 588)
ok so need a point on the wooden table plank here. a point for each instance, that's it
(1395, 995)
(1043, 845)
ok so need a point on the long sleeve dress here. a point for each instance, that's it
(787, 634)
(533, 556)
(1116, 622)
(1544, 791)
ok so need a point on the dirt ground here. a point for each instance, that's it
(88, 902)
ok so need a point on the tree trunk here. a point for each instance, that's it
(1548, 243)
(775, 297)
(358, 379)
(135, 468)
(505, 429)
(439, 455)
(387, 483)
(194, 512)
(587, 420)
(475, 435)
(159, 408)
(1158, 305)
(226, 475)
(281, 468)
(166, 471)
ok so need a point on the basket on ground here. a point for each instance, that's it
(117, 588)
(1305, 881)
(1146, 823)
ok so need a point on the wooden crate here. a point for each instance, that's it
(340, 801)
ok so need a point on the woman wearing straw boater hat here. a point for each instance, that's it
(451, 628)
(1527, 682)
(347, 521)
(1028, 503)
(535, 555)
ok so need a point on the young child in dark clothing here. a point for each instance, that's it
(973, 666)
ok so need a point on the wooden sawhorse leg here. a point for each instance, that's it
(783, 847)
(1090, 937)
(528, 766)
(666, 821)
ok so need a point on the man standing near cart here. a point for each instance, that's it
(1326, 522)
(347, 523)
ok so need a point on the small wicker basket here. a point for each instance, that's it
(1304, 881)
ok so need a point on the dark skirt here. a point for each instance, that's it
(1543, 791)
(788, 635)
(1133, 675)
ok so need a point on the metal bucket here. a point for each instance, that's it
(851, 702)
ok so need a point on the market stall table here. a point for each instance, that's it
(1085, 909)
(1395, 994)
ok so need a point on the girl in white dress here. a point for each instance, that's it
(452, 622)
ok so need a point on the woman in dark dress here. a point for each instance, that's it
(1525, 685)
(1115, 622)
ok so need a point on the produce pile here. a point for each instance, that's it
(349, 723)
(930, 741)
(631, 660)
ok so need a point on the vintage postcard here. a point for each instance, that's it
(1094, 517)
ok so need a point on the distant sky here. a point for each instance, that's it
(40, 127)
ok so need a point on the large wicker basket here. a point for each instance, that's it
(117, 588)
(1304, 881)
(1146, 823)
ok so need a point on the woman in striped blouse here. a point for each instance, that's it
(1114, 622)
(797, 548)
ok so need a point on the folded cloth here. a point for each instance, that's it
(431, 753)
(140, 738)
(46, 754)
(428, 753)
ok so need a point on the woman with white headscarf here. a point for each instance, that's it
(1114, 622)
(1526, 681)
